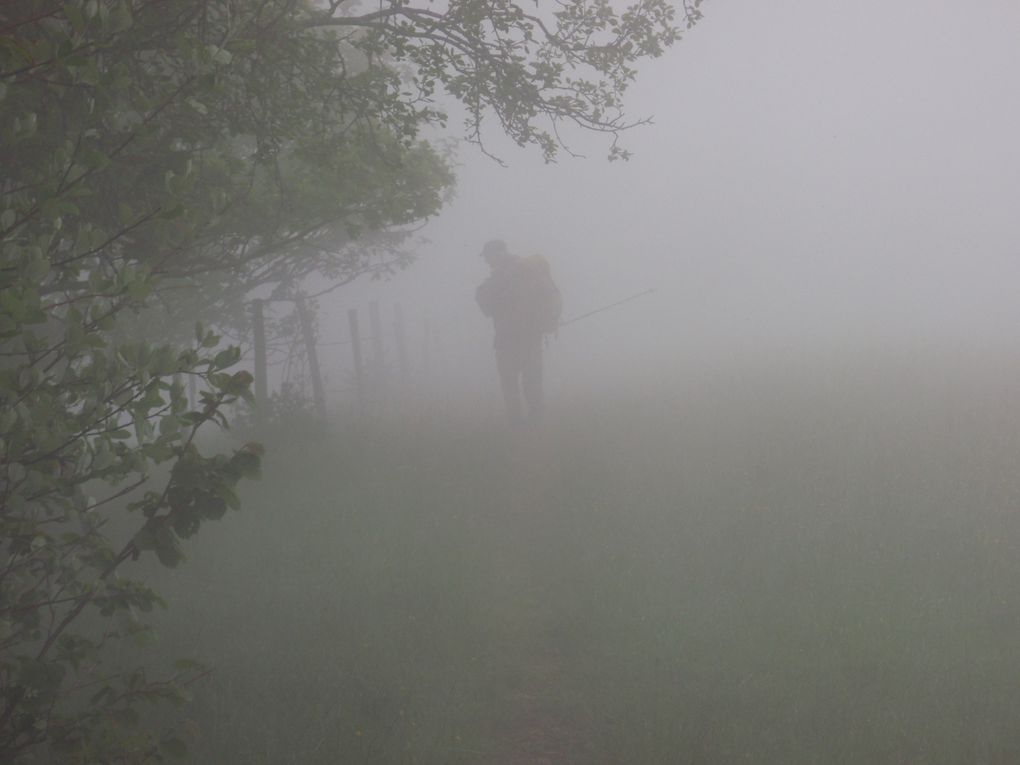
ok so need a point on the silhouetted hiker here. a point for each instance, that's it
(524, 304)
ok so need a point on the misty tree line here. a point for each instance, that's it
(162, 161)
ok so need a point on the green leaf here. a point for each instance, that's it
(175, 210)
(219, 55)
(120, 18)
(167, 546)
(242, 46)
(75, 16)
(169, 425)
(174, 747)
(100, 697)
(37, 268)
(93, 158)
(227, 358)
(248, 463)
(215, 507)
(126, 716)
(89, 73)
(138, 289)
(189, 665)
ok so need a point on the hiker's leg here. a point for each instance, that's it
(509, 380)
(531, 377)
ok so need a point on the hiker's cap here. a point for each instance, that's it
(494, 248)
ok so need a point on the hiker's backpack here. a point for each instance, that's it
(548, 302)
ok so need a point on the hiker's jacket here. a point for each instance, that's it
(523, 302)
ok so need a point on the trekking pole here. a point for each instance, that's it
(607, 307)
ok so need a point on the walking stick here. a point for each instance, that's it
(607, 307)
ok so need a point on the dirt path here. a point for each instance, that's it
(542, 730)
(543, 725)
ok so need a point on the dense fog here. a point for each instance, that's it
(817, 177)
(772, 512)
(770, 516)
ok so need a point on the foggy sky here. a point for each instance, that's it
(818, 174)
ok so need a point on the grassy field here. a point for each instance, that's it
(769, 565)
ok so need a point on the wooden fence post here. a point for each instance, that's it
(261, 370)
(359, 372)
(378, 359)
(318, 393)
(398, 320)
(426, 361)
